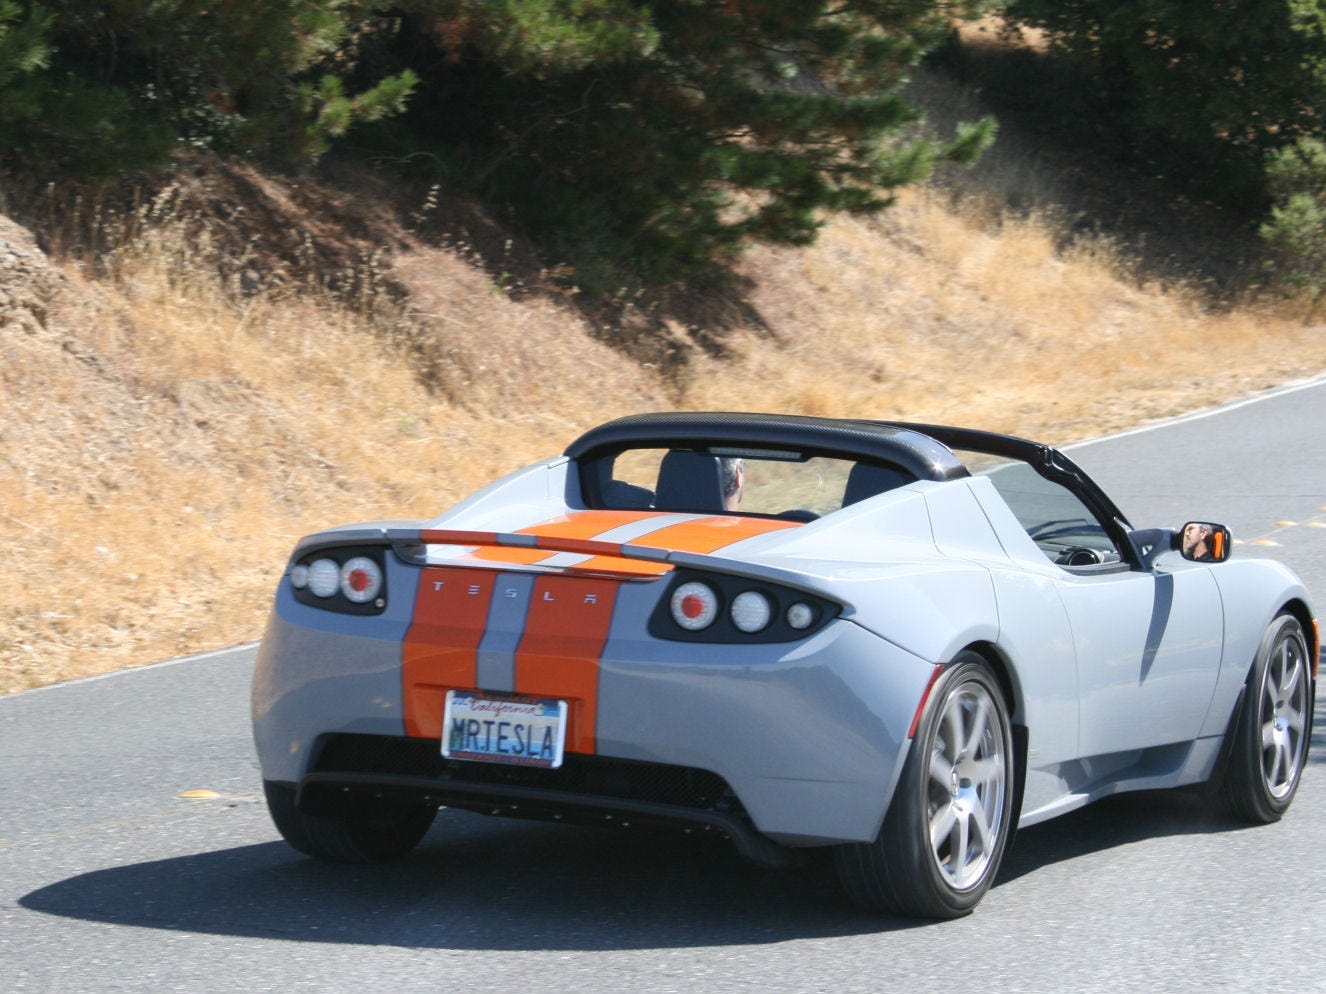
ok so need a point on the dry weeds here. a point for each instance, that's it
(163, 441)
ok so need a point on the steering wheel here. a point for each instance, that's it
(1078, 555)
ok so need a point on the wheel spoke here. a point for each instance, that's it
(1275, 669)
(987, 772)
(977, 728)
(1268, 735)
(941, 826)
(1270, 692)
(1295, 719)
(941, 773)
(1277, 764)
(1289, 686)
(953, 719)
(981, 822)
(959, 854)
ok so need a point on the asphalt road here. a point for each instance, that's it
(111, 880)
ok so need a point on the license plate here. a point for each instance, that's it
(525, 731)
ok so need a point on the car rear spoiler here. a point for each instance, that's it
(546, 543)
(545, 553)
(541, 553)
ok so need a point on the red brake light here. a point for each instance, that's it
(694, 606)
(361, 579)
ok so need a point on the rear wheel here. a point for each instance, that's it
(373, 832)
(951, 816)
(1269, 737)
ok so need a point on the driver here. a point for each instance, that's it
(734, 481)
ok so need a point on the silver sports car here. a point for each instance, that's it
(897, 641)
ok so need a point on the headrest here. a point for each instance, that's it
(868, 480)
(689, 481)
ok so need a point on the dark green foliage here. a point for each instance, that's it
(1295, 229)
(108, 86)
(665, 134)
(648, 138)
(1199, 92)
(24, 48)
(1226, 99)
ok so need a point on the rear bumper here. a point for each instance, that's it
(808, 737)
(353, 772)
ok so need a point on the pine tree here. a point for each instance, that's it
(666, 134)
(109, 86)
(1199, 92)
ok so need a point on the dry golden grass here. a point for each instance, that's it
(163, 441)
(163, 445)
(924, 315)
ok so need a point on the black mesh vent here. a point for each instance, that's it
(598, 776)
(388, 754)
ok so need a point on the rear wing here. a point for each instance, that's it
(590, 557)
(511, 552)
(540, 553)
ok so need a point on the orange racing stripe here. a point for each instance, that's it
(699, 535)
(707, 534)
(558, 656)
(440, 650)
(576, 524)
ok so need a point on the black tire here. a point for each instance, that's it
(904, 872)
(1271, 729)
(371, 834)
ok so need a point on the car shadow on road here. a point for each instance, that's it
(1117, 821)
(489, 884)
(477, 883)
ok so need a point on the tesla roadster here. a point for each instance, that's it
(898, 642)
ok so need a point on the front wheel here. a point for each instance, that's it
(951, 817)
(373, 833)
(1269, 736)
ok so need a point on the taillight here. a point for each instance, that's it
(324, 577)
(800, 616)
(716, 607)
(360, 580)
(751, 611)
(694, 606)
(350, 580)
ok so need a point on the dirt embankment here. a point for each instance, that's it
(243, 359)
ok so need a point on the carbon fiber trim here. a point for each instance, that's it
(592, 775)
(922, 456)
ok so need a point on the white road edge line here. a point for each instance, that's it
(1206, 412)
(195, 658)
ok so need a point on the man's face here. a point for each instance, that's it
(1193, 536)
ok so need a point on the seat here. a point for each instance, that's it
(689, 481)
(626, 496)
(868, 480)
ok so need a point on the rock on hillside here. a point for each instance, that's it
(29, 284)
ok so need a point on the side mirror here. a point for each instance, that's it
(1203, 542)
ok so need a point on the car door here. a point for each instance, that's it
(1148, 653)
(1147, 640)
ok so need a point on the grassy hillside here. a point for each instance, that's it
(244, 359)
